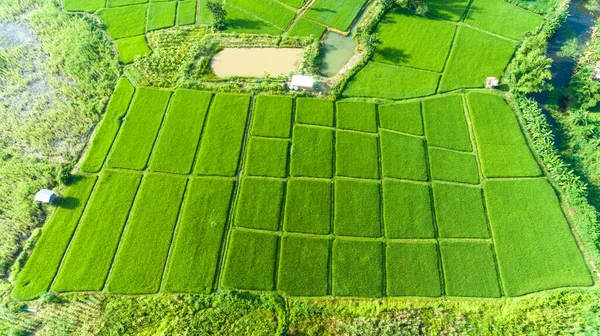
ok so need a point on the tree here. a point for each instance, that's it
(217, 9)
(530, 69)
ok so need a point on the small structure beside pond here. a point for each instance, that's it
(491, 82)
(301, 82)
(46, 196)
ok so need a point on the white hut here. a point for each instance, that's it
(491, 82)
(46, 196)
(301, 82)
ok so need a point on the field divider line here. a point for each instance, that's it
(446, 61)
(160, 130)
(229, 226)
(299, 13)
(122, 122)
(199, 143)
(482, 179)
(463, 24)
(166, 267)
(408, 67)
(382, 230)
(453, 150)
(66, 251)
(123, 230)
(466, 12)
(270, 138)
(332, 202)
(422, 137)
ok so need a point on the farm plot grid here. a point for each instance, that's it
(191, 191)
(458, 45)
(127, 21)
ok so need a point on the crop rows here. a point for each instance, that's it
(308, 197)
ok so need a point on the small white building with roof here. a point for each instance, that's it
(302, 82)
(46, 196)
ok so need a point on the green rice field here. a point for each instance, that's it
(194, 192)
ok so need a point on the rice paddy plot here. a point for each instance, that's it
(392, 82)
(186, 12)
(407, 210)
(312, 152)
(459, 211)
(308, 206)
(357, 206)
(307, 28)
(356, 155)
(409, 40)
(161, 15)
(447, 10)
(314, 111)
(89, 6)
(332, 14)
(475, 56)
(268, 10)
(452, 166)
(412, 269)
(503, 149)
(402, 117)
(267, 157)
(272, 116)
(490, 15)
(357, 268)
(131, 47)
(122, 22)
(239, 21)
(445, 123)
(259, 206)
(303, 266)
(357, 116)
(403, 156)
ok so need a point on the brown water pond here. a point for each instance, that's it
(255, 62)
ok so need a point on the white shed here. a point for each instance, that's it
(302, 82)
(491, 82)
(46, 196)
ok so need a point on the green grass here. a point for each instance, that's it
(403, 156)
(357, 208)
(402, 117)
(303, 266)
(469, 269)
(503, 150)
(239, 21)
(293, 3)
(474, 57)
(186, 13)
(314, 111)
(267, 157)
(108, 129)
(459, 211)
(118, 3)
(447, 10)
(453, 166)
(93, 247)
(38, 273)
(176, 145)
(259, 204)
(358, 116)
(89, 6)
(357, 268)
(272, 116)
(491, 15)
(130, 47)
(407, 210)
(356, 155)
(204, 15)
(197, 243)
(412, 269)
(414, 41)
(221, 143)
(534, 244)
(312, 152)
(136, 139)
(123, 22)
(381, 81)
(140, 261)
(307, 28)
(445, 123)
(161, 15)
(331, 13)
(268, 10)
(251, 260)
(308, 206)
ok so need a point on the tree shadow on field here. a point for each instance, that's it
(323, 10)
(244, 24)
(67, 202)
(393, 55)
